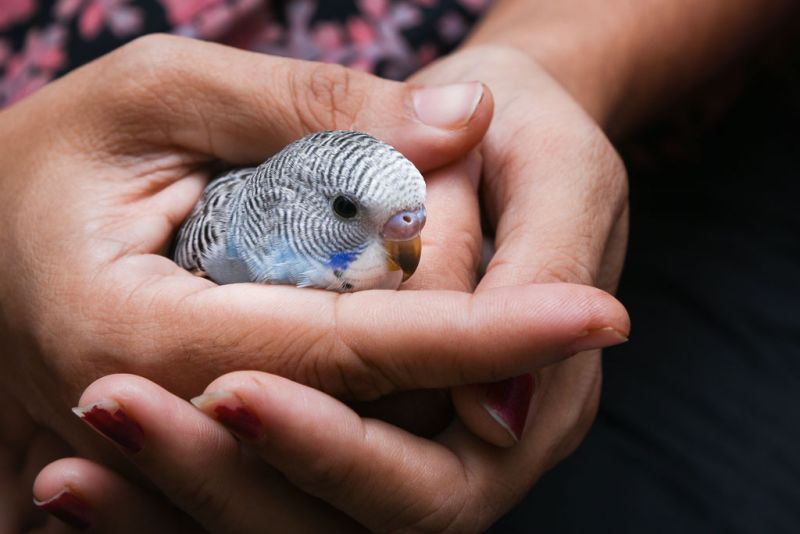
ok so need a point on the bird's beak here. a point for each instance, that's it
(404, 255)
(402, 241)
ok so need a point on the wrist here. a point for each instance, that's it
(622, 61)
(590, 60)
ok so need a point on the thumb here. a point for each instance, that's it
(241, 106)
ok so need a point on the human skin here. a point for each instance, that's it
(101, 166)
(610, 57)
(361, 455)
(625, 61)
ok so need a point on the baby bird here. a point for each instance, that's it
(336, 210)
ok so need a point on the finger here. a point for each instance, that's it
(450, 248)
(385, 478)
(360, 345)
(452, 236)
(553, 185)
(196, 463)
(578, 193)
(85, 495)
(241, 106)
(570, 177)
(43, 448)
(451, 240)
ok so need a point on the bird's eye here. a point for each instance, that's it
(344, 207)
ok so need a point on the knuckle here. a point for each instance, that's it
(451, 260)
(123, 322)
(355, 376)
(143, 68)
(454, 514)
(321, 359)
(611, 178)
(325, 476)
(341, 369)
(327, 96)
(145, 45)
(561, 266)
(126, 98)
(142, 55)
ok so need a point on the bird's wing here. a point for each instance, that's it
(202, 235)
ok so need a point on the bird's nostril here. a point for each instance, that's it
(404, 225)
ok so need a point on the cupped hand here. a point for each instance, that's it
(300, 461)
(305, 462)
(538, 183)
(555, 193)
(101, 166)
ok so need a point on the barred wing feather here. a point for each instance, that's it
(203, 234)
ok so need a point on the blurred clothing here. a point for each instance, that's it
(43, 39)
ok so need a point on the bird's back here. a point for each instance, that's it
(201, 241)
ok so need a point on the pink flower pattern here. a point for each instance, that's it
(390, 37)
(37, 64)
(95, 15)
(15, 11)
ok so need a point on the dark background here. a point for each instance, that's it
(699, 423)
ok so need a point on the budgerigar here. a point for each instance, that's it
(337, 210)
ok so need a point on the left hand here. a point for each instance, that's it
(555, 192)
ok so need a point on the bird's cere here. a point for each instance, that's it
(337, 210)
(405, 225)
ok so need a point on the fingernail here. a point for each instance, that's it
(108, 419)
(508, 403)
(69, 508)
(598, 338)
(226, 408)
(447, 106)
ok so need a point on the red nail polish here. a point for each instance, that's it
(508, 403)
(68, 508)
(108, 418)
(240, 420)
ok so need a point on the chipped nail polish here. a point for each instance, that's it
(508, 402)
(226, 408)
(67, 507)
(108, 419)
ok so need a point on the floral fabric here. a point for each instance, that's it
(42, 39)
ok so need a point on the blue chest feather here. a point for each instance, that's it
(341, 260)
(279, 263)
